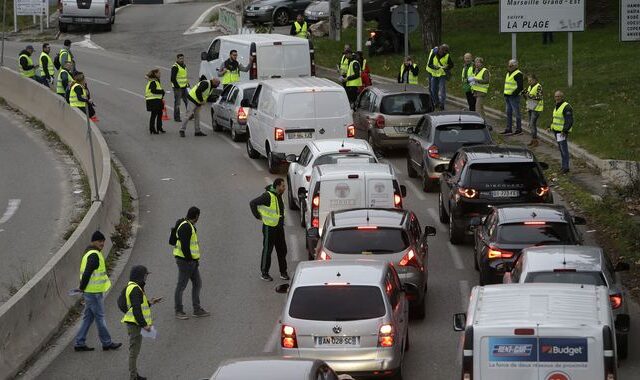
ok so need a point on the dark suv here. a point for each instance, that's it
(479, 177)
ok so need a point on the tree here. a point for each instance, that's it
(431, 19)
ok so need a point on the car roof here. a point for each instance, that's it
(369, 217)
(455, 117)
(517, 213)
(347, 168)
(302, 84)
(269, 368)
(352, 272)
(397, 88)
(262, 38)
(246, 84)
(492, 153)
(578, 257)
(334, 145)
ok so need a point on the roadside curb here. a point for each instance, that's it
(195, 27)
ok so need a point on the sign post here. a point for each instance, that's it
(359, 17)
(405, 20)
(335, 21)
(514, 51)
(4, 25)
(629, 20)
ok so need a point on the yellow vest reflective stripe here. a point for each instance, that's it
(146, 308)
(50, 67)
(205, 94)
(412, 78)
(99, 281)
(533, 91)
(510, 83)
(231, 76)
(59, 89)
(301, 30)
(181, 76)
(441, 63)
(73, 98)
(270, 215)
(344, 64)
(26, 73)
(148, 95)
(354, 82)
(480, 87)
(558, 118)
(63, 59)
(194, 247)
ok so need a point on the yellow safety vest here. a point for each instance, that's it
(354, 82)
(270, 215)
(26, 73)
(466, 73)
(193, 243)
(50, 67)
(533, 91)
(412, 78)
(73, 98)
(557, 124)
(181, 76)
(99, 281)
(231, 76)
(301, 30)
(480, 87)
(64, 52)
(510, 83)
(59, 89)
(148, 95)
(205, 94)
(146, 308)
(441, 63)
(344, 64)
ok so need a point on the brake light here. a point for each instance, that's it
(385, 336)
(410, 259)
(535, 223)
(497, 253)
(616, 301)
(380, 122)
(253, 71)
(288, 337)
(468, 192)
(372, 34)
(106, 9)
(524, 332)
(367, 227)
(315, 211)
(397, 200)
(324, 256)
(351, 130)
(242, 116)
(542, 191)
(279, 134)
(433, 152)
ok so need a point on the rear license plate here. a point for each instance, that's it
(401, 129)
(337, 340)
(312, 18)
(505, 193)
(299, 135)
(84, 19)
(251, 14)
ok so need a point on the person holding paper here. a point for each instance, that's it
(561, 125)
(535, 106)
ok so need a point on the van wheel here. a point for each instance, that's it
(107, 26)
(411, 172)
(444, 218)
(456, 234)
(622, 346)
(113, 17)
(252, 153)
(281, 17)
(272, 163)
(214, 124)
(292, 204)
(428, 185)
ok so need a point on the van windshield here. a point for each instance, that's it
(586, 278)
(367, 242)
(333, 158)
(337, 303)
(405, 104)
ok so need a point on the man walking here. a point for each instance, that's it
(513, 86)
(561, 126)
(198, 95)
(64, 80)
(352, 79)
(408, 71)
(230, 69)
(47, 70)
(94, 282)
(299, 27)
(179, 82)
(535, 106)
(269, 208)
(25, 63)
(187, 253)
(467, 72)
(438, 67)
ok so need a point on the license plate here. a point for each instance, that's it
(84, 19)
(250, 14)
(505, 193)
(299, 135)
(342, 202)
(337, 340)
(401, 129)
(312, 18)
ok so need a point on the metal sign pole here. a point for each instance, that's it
(4, 25)
(406, 29)
(93, 159)
(15, 16)
(570, 59)
(513, 46)
(358, 26)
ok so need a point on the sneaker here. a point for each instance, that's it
(200, 134)
(181, 133)
(201, 313)
(284, 276)
(266, 277)
(516, 133)
(181, 315)
(112, 346)
(506, 132)
(177, 120)
(83, 348)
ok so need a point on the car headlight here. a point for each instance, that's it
(320, 13)
(266, 8)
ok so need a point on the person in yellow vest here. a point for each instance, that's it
(365, 73)
(535, 106)
(561, 126)
(343, 66)
(187, 254)
(480, 84)
(153, 95)
(299, 27)
(26, 66)
(64, 79)
(467, 71)
(439, 66)
(199, 95)
(180, 83)
(269, 208)
(47, 70)
(79, 96)
(352, 79)
(65, 55)
(408, 71)
(135, 305)
(94, 282)
(513, 87)
(230, 69)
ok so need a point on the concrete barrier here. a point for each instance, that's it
(36, 311)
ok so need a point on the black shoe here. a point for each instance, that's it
(83, 348)
(201, 313)
(181, 133)
(138, 377)
(284, 276)
(516, 133)
(112, 346)
(153, 132)
(266, 277)
(506, 132)
(200, 134)
(162, 130)
(177, 120)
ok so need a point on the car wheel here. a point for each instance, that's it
(475, 259)
(214, 124)
(272, 163)
(481, 279)
(281, 17)
(444, 218)
(292, 204)
(371, 141)
(456, 234)
(113, 17)
(407, 344)
(622, 346)
(63, 27)
(252, 153)
(411, 172)
(234, 135)
(428, 185)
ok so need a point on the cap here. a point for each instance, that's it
(29, 47)
(98, 236)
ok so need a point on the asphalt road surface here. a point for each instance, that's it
(172, 173)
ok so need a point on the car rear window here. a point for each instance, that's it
(587, 278)
(247, 94)
(450, 138)
(334, 157)
(526, 174)
(405, 104)
(337, 303)
(548, 233)
(371, 241)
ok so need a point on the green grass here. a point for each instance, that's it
(604, 90)
(23, 21)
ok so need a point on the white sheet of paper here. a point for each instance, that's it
(560, 137)
(153, 334)
(73, 292)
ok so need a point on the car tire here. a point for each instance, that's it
(407, 343)
(281, 17)
(456, 234)
(63, 27)
(113, 17)
(252, 153)
(428, 185)
(622, 346)
(214, 124)
(234, 135)
(411, 172)
(475, 259)
(108, 26)
(371, 141)
(292, 204)
(442, 213)
(272, 164)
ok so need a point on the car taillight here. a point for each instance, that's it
(410, 259)
(432, 151)
(542, 191)
(253, 71)
(278, 134)
(242, 116)
(380, 122)
(315, 211)
(468, 192)
(497, 253)
(106, 9)
(616, 301)
(324, 256)
(351, 130)
(372, 34)
(385, 336)
(397, 200)
(288, 337)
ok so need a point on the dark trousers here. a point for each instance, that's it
(155, 121)
(135, 343)
(273, 237)
(352, 93)
(179, 94)
(188, 270)
(92, 111)
(471, 100)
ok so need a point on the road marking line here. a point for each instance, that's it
(121, 7)
(270, 346)
(228, 140)
(416, 191)
(131, 92)
(456, 257)
(99, 81)
(12, 207)
(436, 220)
(87, 43)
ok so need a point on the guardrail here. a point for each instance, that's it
(31, 317)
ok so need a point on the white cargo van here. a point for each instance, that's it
(289, 112)
(538, 332)
(275, 56)
(342, 186)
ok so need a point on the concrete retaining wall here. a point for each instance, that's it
(34, 314)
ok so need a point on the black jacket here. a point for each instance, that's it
(93, 262)
(265, 200)
(23, 61)
(200, 89)
(136, 296)
(184, 236)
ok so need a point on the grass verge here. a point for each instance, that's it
(23, 21)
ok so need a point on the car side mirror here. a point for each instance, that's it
(543, 165)
(291, 158)
(459, 321)
(313, 233)
(580, 221)
(403, 191)
(302, 193)
(441, 168)
(410, 130)
(621, 266)
(430, 231)
(475, 222)
(204, 56)
(282, 288)
(245, 103)
(504, 267)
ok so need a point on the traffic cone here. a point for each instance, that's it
(165, 115)
(94, 118)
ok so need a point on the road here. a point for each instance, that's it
(215, 174)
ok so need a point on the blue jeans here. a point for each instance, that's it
(513, 106)
(93, 310)
(533, 123)
(438, 90)
(564, 153)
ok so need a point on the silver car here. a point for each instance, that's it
(274, 369)
(231, 110)
(352, 314)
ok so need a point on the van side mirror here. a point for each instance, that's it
(621, 266)
(441, 168)
(245, 103)
(302, 193)
(543, 165)
(459, 321)
(430, 231)
(291, 158)
(204, 56)
(403, 191)
(580, 221)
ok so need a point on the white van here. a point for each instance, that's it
(346, 185)
(538, 332)
(289, 112)
(275, 56)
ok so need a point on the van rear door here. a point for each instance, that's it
(332, 114)
(379, 192)
(506, 356)
(341, 194)
(287, 59)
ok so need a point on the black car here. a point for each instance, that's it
(507, 230)
(478, 177)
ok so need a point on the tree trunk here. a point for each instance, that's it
(431, 19)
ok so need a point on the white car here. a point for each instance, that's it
(322, 152)
(231, 110)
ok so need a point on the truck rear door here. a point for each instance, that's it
(505, 356)
(283, 60)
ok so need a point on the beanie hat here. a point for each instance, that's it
(98, 236)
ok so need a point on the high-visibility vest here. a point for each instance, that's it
(61, 55)
(354, 82)
(73, 97)
(480, 87)
(205, 94)
(26, 73)
(510, 83)
(270, 215)
(181, 76)
(50, 67)
(99, 281)
(412, 78)
(148, 95)
(301, 30)
(466, 73)
(146, 308)
(557, 124)
(231, 76)
(194, 246)
(344, 64)
(59, 89)
(441, 63)
(533, 91)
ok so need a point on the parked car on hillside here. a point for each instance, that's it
(280, 12)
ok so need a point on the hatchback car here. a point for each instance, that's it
(508, 229)
(280, 12)
(478, 177)
(571, 264)
(435, 139)
(352, 314)
(371, 9)
(274, 369)
(389, 235)
(384, 113)
(231, 110)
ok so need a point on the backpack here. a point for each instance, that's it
(56, 61)
(122, 301)
(173, 238)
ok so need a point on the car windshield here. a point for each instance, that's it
(248, 93)
(337, 303)
(405, 104)
(514, 173)
(564, 277)
(535, 234)
(450, 138)
(367, 241)
(333, 158)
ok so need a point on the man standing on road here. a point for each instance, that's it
(25, 63)
(352, 79)
(65, 55)
(269, 208)
(438, 67)
(64, 79)
(199, 95)
(299, 27)
(46, 71)
(561, 126)
(408, 71)
(94, 282)
(187, 253)
(230, 69)
(79, 95)
(467, 71)
(513, 86)
(179, 82)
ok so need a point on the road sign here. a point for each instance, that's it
(629, 20)
(517, 16)
(29, 7)
(398, 18)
